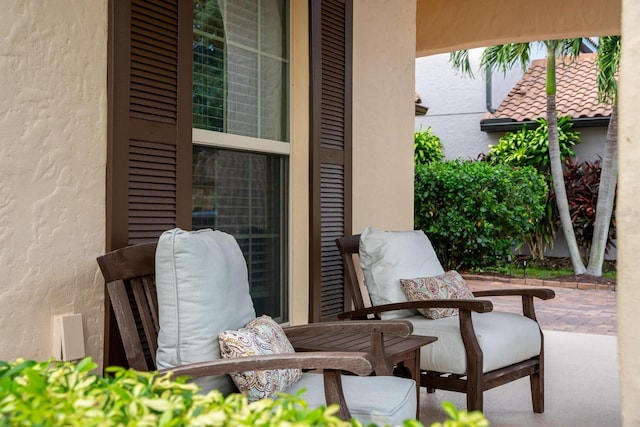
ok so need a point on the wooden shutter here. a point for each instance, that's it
(330, 109)
(149, 140)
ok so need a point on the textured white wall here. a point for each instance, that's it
(383, 113)
(53, 102)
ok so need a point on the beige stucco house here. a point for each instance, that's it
(61, 198)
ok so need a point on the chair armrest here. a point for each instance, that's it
(401, 328)
(542, 293)
(477, 305)
(359, 363)
(527, 295)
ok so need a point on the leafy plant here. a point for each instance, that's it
(583, 181)
(462, 418)
(474, 212)
(530, 147)
(427, 147)
(67, 394)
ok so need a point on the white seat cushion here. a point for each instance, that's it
(203, 289)
(388, 256)
(505, 339)
(384, 400)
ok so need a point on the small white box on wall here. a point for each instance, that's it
(68, 337)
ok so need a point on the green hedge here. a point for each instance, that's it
(474, 212)
(67, 394)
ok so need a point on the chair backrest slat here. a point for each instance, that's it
(146, 317)
(126, 324)
(130, 276)
(349, 246)
(149, 284)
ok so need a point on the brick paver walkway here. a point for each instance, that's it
(572, 310)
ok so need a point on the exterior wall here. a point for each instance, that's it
(627, 215)
(53, 101)
(383, 113)
(299, 158)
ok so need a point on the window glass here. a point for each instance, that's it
(242, 194)
(241, 73)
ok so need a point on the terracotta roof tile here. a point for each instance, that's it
(577, 92)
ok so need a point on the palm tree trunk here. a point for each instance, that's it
(559, 187)
(606, 196)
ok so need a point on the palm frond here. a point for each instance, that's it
(608, 61)
(459, 59)
(505, 56)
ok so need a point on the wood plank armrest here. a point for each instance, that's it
(359, 363)
(477, 305)
(401, 328)
(542, 293)
(527, 295)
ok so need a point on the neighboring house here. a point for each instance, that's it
(100, 126)
(463, 113)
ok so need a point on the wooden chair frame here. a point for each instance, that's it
(130, 281)
(475, 382)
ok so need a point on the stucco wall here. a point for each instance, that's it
(52, 167)
(627, 215)
(299, 202)
(383, 113)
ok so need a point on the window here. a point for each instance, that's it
(240, 79)
(241, 134)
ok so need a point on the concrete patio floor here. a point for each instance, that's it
(581, 366)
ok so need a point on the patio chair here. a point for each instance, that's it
(477, 349)
(173, 298)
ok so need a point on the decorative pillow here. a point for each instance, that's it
(447, 286)
(388, 256)
(260, 337)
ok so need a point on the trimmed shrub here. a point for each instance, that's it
(474, 212)
(427, 147)
(530, 147)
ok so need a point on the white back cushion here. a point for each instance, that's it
(388, 256)
(203, 289)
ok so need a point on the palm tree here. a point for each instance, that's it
(504, 57)
(608, 60)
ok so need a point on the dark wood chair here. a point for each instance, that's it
(474, 382)
(130, 280)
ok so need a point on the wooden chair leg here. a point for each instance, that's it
(537, 382)
(475, 400)
(537, 392)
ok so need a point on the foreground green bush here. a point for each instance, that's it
(474, 212)
(66, 394)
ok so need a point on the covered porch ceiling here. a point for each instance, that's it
(445, 25)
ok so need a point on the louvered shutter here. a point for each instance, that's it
(330, 105)
(149, 143)
(149, 171)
